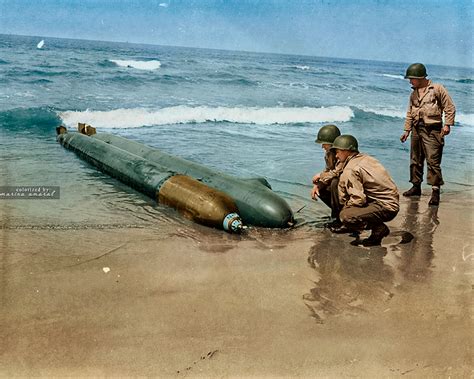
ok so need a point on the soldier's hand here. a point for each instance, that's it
(404, 136)
(445, 130)
(315, 192)
(316, 178)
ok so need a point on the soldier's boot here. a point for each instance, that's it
(333, 224)
(413, 191)
(434, 197)
(340, 229)
(378, 233)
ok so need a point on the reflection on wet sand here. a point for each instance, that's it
(415, 258)
(352, 279)
(212, 240)
(355, 280)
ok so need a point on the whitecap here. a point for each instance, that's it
(139, 65)
(389, 112)
(393, 76)
(138, 117)
(465, 119)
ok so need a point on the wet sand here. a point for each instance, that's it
(188, 301)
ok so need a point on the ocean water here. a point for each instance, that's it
(247, 114)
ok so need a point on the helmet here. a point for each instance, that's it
(327, 134)
(416, 71)
(345, 142)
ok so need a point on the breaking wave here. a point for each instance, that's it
(138, 117)
(387, 112)
(466, 119)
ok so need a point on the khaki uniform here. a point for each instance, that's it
(367, 193)
(425, 120)
(328, 183)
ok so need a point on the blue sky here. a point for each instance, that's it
(433, 32)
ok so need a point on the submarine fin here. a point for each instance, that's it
(259, 180)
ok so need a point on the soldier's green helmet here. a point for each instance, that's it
(327, 134)
(416, 71)
(345, 142)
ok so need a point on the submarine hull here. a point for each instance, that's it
(196, 201)
(188, 196)
(258, 205)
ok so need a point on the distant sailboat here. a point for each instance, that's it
(40, 44)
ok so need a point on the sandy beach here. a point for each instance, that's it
(181, 300)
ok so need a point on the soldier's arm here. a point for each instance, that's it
(409, 118)
(329, 175)
(408, 123)
(355, 190)
(448, 106)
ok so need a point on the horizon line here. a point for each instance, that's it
(230, 50)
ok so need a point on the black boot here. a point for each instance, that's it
(434, 197)
(378, 233)
(333, 224)
(341, 229)
(413, 191)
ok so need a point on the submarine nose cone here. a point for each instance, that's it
(278, 213)
(270, 211)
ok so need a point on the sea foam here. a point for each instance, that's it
(389, 112)
(466, 119)
(138, 117)
(393, 76)
(303, 67)
(139, 65)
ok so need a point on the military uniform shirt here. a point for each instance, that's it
(365, 180)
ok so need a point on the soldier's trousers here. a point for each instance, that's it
(330, 196)
(426, 144)
(360, 218)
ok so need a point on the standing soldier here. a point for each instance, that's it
(325, 183)
(367, 193)
(424, 120)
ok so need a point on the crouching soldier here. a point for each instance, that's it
(326, 182)
(367, 193)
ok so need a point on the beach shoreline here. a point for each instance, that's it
(184, 300)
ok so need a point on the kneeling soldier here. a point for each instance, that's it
(325, 183)
(367, 193)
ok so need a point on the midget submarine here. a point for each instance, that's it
(201, 194)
